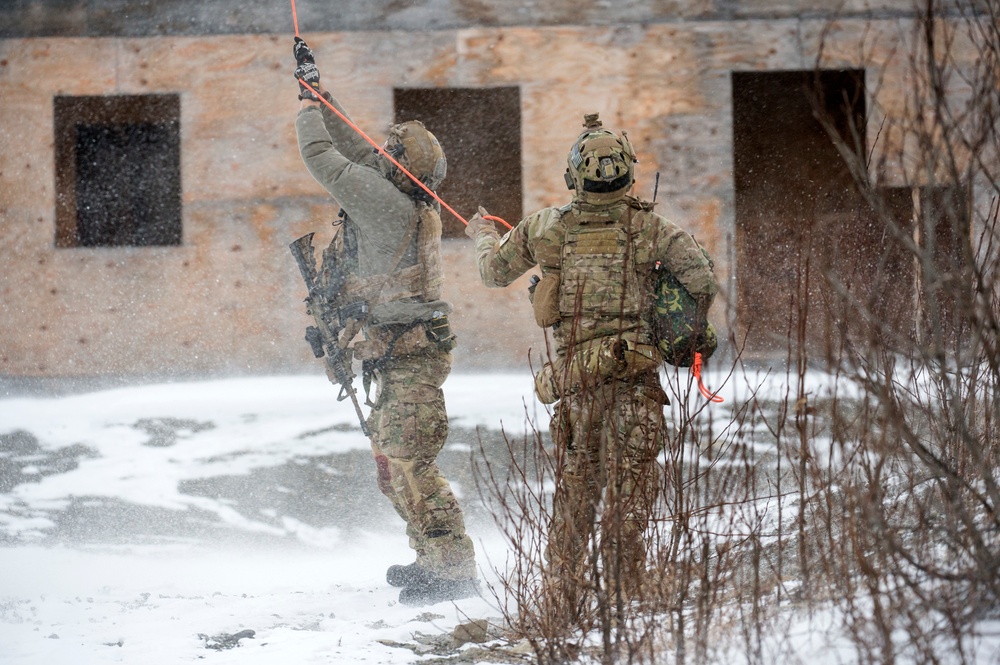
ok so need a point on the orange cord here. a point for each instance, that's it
(696, 372)
(295, 20)
(393, 160)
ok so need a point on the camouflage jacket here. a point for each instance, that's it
(380, 215)
(547, 239)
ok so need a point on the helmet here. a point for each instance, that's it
(600, 163)
(419, 152)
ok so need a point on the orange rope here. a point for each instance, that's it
(295, 20)
(393, 160)
(695, 367)
(696, 373)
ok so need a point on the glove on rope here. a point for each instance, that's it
(478, 223)
(302, 52)
(310, 74)
(305, 69)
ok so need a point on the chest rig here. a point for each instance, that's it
(597, 288)
(598, 267)
(593, 280)
(422, 280)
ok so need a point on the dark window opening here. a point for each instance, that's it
(937, 221)
(892, 270)
(801, 221)
(480, 132)
(118, 179)
(797, 209)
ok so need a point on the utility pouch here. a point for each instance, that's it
(393, 340)
(545, 300)
(439, 332)
(640, 358)
(545, 385)
(596, 361)
(593, 363)
(372, 349)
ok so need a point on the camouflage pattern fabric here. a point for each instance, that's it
(380, 215)
(409, 426)
(680, 326)
(538, 240)
(607, 434)
(409, 423)
(610, 436)
(594, 362)
(598, 272)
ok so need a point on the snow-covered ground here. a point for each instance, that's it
(162, 523)
(145, 524)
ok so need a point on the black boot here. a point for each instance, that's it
(407, 575)
(434, 589)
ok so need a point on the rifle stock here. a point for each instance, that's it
(335, 325)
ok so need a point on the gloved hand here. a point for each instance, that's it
(302, 52)
(478, 223)
(310, 74)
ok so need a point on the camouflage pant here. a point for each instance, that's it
(409, 425)
(607, 480)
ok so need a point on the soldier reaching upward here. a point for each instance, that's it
(390, 238)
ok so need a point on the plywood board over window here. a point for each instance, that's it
(816, 259)
(480, 132)
(796, 204)
(118, 180)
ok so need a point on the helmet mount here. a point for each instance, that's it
(600, 163)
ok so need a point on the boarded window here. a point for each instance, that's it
(480, 132)
(923, 297)
(797, 214)
(118, 180)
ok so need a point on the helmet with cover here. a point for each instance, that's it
(600, 164)
(419, 152)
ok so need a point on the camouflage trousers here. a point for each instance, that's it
(607, 481)
(409, 425)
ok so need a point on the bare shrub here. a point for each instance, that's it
(859, 481)
(915, 498)
(711, 544)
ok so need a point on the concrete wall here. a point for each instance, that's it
(229, 298)
(147, 18)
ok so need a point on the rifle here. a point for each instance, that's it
(336, 324)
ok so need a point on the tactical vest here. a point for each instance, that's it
(597, 269)
(422, 280)
(601, 287)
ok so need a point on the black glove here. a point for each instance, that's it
(307, 72)
(302, 52)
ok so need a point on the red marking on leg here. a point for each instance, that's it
(384, 476)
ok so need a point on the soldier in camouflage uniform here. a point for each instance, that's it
(599, 257)
(390, 236)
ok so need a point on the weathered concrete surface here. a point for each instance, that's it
(229, 298)
(134, 18)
